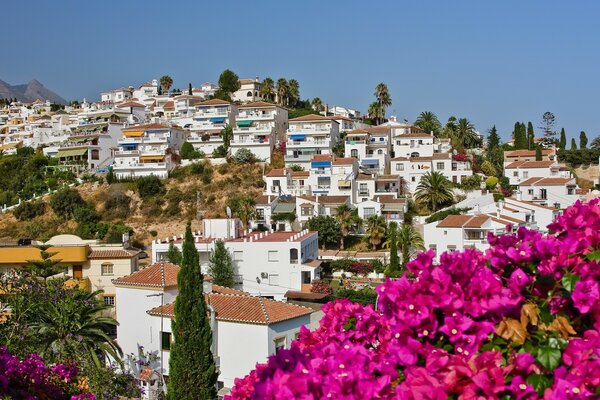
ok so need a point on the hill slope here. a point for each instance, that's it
(29, 92)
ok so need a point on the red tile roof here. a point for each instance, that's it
(275, 236)
(547, 181)
(526, 153)
(344, 161)
(312, 117)
(277, 172)
(530, 164)
(158, 275)
(257, 104)
(327, 199)
(117, 253)
(244, 309)
(213, 102)
(458, 221)
(300, 174)
(131, 104)
(144, 127)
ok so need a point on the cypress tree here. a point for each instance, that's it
(190, 89)
(192, 368)
(394, 266)
(174, 255)
(583, 140)
(573, 144)
(530, 136)
(519, 136)
(221, 266)
(538, 153)
(493, 139)
(563, 139)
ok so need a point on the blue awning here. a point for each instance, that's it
(370, 162)
(320, 164)
(298, 137)
(217, 119)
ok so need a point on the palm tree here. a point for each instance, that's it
(449, 130)
(244, 209)
(317, 104)
(375, 232)
(267, 90)
(383, 98)
(348, 219)
(166, 82)
(293, 92)
(466, 135)
(375, 112)
(409, 240)
(433, 190)
(595, 145)
(283, 91)
(75, 322)
(429, 122)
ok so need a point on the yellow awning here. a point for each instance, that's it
(152, 158)
(10, 146)
(344, 184)
(71, 152)
(133, 133)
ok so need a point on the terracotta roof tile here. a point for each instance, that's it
(131, 104)
(476, 221)
(213, 102)
(547, 181)
(257, 104)
(454, 221)
(117, 253)
(526, 153)
(530, 164)
(277, 172)
(344, 161)
(159, 275)
(327, 199)
(300, 174)
(311, 117)
(144, 127)
(225, 290)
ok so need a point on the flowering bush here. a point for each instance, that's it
(320, 286)
(520, 321)
(30, 378)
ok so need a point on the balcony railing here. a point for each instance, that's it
(363, 192)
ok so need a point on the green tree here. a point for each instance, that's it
(267, 89)
(166, 82)
(65, 202)
(409, 240)
(573, 144)
(538, 153)
(148, 186)
(595, 145)
(530, 136)
(243, 207)
(376, 112)
(188, 152)
(45, 267)
(221, 266)
(562, 144)
(548, 120)
(429, 122)
(583, 140)
(190, 89)
(519, 136)
(347, 219)
(174, 254)
(465, 135)
(229, 82)
(392, 242)
(433, 190)
(327, 227)
(294, 92)
(317, 104)
(193, 373)
(488, 168)
(382, 94)
(283, 92)
(375, 231)
(244, 156)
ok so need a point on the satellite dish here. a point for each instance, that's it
(228, 209)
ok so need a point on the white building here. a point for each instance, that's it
(528, 155)
(150, 149)
(371, 146)
(145, 323)
(553, 192)
(249, 91)
(332, 176)
(519, 171)
(312, 206)
(209, 120)
(257, 126)
(308, 136)
(117, 95)
(206, 90)
(146, 90)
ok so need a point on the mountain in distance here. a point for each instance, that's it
(29, 92)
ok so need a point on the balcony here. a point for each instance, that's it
(159, 165)
(363, 192)
(251, 142)
(125, 153)
(130, 140)
(299, 158)
(255, 116)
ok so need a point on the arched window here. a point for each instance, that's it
(354, 153)
(414, 154)
(256, 94)
(293, 256)
(249, 94)
(379, 151)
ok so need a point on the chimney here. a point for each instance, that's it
(207, 285)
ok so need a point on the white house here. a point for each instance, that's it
(257, 126)
(312, 206)
(308, 136)
(117, 95)
(146, 90)
(249, 91)
(150, 149)
(554, 192)
(209, 120)
(519, 171)
(371, 146)
(145, 323)
(511, 156)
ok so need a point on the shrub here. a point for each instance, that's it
(65, 202)
(491, 182)
(29, 210)
(320, 286)
(188, 152)
(366, 296)
(223, 169)
(153, 233)
(220, 152)
(149, 186)
(244, 156)
(296, 167)
(117, 203)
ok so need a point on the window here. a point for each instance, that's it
(451, 249)
(369, 211)
(273, 255)
(306, 211)
(306, 277)
(516, 173)
(274, 279)
(413, 179)
(379, 151)
(95, 154)
(399, 167)
(525, 174)
(165, 341)
(440, 165)
(433, 247)
(293, 256)
(249, 94)
(260, 214)
(530, 192)
(109, 300)
(445, 233)
(107, 268)
(238, 256)
(279, 343)
(570, 190)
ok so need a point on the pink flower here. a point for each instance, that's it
(585, 295)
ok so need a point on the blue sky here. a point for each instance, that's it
(492, 62)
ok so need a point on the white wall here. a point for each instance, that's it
(240, 347)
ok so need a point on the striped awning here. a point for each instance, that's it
(133, 133)
(71, 152)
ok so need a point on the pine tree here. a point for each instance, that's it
(530, 136)
(493, 138)
(583, 140)
(174, 255)
(192, 368)
(538, 153)
(394, 267)
(562, 144)
(548, 120)
(573, 144)
(45, 267)
(221, 266)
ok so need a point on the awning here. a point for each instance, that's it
(298, 137)
(83, 139)
(344, 184)
(320, 164)
(10, 145)
(152, 158)
(90, 127)
(245, 123)
(133, 133)
(71, 152)
(217, 119)
(370, 162)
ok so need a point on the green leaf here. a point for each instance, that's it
(594, 255)
(569, 281)
(350, 324)
(539, 382)
(549, 357)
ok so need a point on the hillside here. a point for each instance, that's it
(193, 190)
(29, 92)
